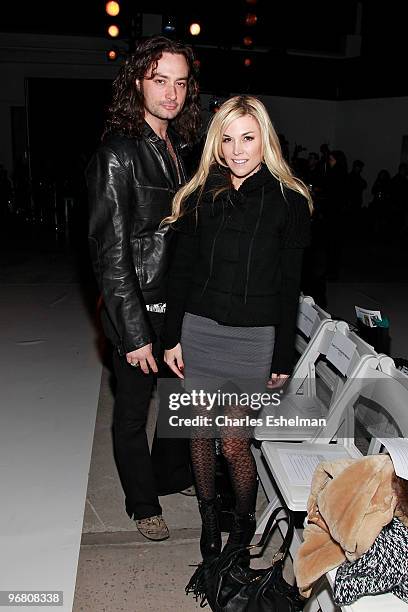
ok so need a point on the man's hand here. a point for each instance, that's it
(174, 359)
(142, 357)
(277, 380)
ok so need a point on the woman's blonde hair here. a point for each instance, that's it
(232, 109)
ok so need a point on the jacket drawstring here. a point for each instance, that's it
(213, 250)
(258, 221)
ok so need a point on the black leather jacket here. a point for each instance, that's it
(131, 183)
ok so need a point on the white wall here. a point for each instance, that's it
(31, 55)
(372, 130)
(303, 121)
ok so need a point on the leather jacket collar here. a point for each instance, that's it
(151, 135)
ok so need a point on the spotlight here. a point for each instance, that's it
(195, 29)
(252, 2)
(112, 8)
(251, 19)
(214, 104)
(113, 31)
(248, 41)
(247, 62)
(112, 55)
(169, 24)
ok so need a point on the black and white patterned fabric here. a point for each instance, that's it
(382, 569)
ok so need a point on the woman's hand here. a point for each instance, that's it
(174, 359)
(277, 380)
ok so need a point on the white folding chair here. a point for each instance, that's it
(304, 372)
(265, 454)
(301, 395)
(388, 395)
(386, 602)
(310, 318)
(316, 383)
(387, 365)
(311, 366)
(376, 420)
(377, 392)
(363, 360)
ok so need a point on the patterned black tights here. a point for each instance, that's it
(241, 466)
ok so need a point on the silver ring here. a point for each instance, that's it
(135, 365)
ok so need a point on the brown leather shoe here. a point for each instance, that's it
(153, 528)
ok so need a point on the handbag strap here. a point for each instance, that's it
(280, 554)
(283, 550)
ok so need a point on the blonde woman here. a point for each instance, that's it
(243, 222)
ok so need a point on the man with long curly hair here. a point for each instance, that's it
(131, 182)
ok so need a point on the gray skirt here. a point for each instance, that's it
(221, 353)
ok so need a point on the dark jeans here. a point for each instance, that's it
(144, 476)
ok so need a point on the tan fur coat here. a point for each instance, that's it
(351, 500)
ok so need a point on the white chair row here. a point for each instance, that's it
(339, 377)
(292, 465)
(334, 359)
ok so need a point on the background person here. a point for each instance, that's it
(380, 213)
(333, 207)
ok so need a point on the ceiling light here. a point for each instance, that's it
(112, 55)
(112, 8)
(113, 31)
(251, 19)
(195, 29)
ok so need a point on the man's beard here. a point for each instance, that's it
(162, 113)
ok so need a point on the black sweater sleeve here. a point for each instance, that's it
(296, 237)
(180, 276)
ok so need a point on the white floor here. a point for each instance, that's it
(50, 379)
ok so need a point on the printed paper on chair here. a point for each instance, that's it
(301, 464)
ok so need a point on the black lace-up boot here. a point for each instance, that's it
(242, 531)
(210, 547)
(210, 541)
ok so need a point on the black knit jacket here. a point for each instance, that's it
(238, 259)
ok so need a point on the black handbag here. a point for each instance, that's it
(232, 587)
